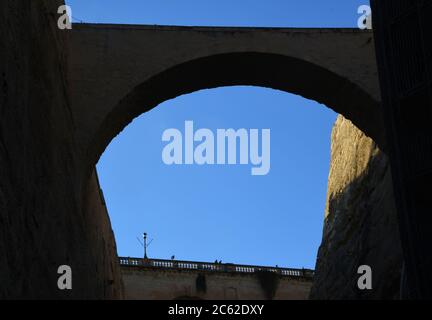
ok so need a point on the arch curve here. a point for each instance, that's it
(274, 71)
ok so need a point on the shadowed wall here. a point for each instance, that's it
(45, 221)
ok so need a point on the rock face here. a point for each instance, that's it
(48, 217)
(360, 225)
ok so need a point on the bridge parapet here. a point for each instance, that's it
(212, 267)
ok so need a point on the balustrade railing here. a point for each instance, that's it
(208, 266)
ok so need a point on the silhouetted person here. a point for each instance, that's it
(172, 257)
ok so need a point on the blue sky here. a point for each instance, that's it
(208, 212)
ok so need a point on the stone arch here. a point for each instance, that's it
(268, 70)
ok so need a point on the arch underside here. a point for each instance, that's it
(248, 68)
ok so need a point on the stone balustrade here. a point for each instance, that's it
(209, 266)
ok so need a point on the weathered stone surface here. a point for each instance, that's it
(174, 284)
(43, 222)
(102, 245)
(360, 221)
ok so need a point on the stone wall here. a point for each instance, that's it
(360, 221)
(182, 284)
(102, 245)
(43, 222)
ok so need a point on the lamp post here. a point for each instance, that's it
(145, 245)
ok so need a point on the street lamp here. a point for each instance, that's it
(145, 245)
